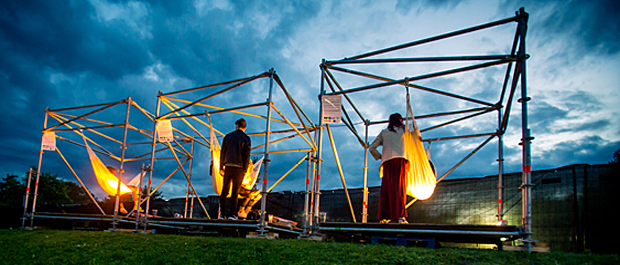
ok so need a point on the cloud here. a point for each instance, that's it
(73, 53)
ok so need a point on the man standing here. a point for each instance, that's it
(234, 160)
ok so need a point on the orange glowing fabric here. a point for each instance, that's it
(217, 180)
(421, 178)
(107, 180)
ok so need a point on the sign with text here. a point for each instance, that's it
(164, 131)
(48, 143)
(332, 106)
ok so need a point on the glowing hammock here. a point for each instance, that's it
(107, 180)
(217, 179)
(421, 177)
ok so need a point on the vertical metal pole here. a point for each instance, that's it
(311, 210)
(526, 140)
(120, 170)
(187, 192)
(24, 216)
(365, 200)
(263, 204)
(151, 166)
(189, 176)
(307, 193)
(500, 165)
(36, 182)
(139, 198)
(317, 190)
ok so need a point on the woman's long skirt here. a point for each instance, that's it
(393, 193)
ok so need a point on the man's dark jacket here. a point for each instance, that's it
(236, 149)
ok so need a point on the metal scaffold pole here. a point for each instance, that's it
(189, 176)
(500, 175)
(25, 215)
(365, 199)
(317, 183)
(307, 193)
(151, 166)
(139, 199)
(120, 169)
(36, 182)
(526, 188)
(263, 208)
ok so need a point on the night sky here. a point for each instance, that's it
(61, 54)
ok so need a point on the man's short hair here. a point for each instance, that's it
(241, 123)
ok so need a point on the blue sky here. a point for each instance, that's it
(60, 54)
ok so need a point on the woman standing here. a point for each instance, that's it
(395, 164)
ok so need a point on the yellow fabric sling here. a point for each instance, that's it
(107, 180)
(421, 178)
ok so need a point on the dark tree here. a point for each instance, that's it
(615, 158)
(54, 194)
(11, 191)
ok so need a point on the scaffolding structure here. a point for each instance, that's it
(197, 107)
(514, 64)
(99, 125)
(194, 111)
(186, 113)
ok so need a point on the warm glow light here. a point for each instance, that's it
(421, 179)
(114, 184)
(217, 179)
(107, 180)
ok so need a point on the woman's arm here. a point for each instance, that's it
(373, 147)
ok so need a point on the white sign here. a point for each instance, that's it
(164, 131)
(48, 143)
(332, 106)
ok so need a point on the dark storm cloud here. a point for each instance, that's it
(406, 5)
(590, 148)
(230, 45)
(63, 36)
(543, 116)
(594, 24)
(70, 53)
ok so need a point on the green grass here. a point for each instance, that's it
(82, 247)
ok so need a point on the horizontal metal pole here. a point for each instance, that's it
(438, 37)
(282, 229)
(84, 119)
(168, 226)
(237, 108)
(245, 81)
(185, 116)
(110, 154)
(104, 218)
(220, 108)
(425, 59)
(212, 85)
(284, 151)
(458, 137)
(277, 132)
(390, 83)
(88, 106)
(104, 107)
(421, 77)
(437, 115)
(216, 223)
(430, 231)
(455, 120)
(85, 128)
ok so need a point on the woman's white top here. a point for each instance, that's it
(393, 145)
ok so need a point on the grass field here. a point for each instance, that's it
(82, 247)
